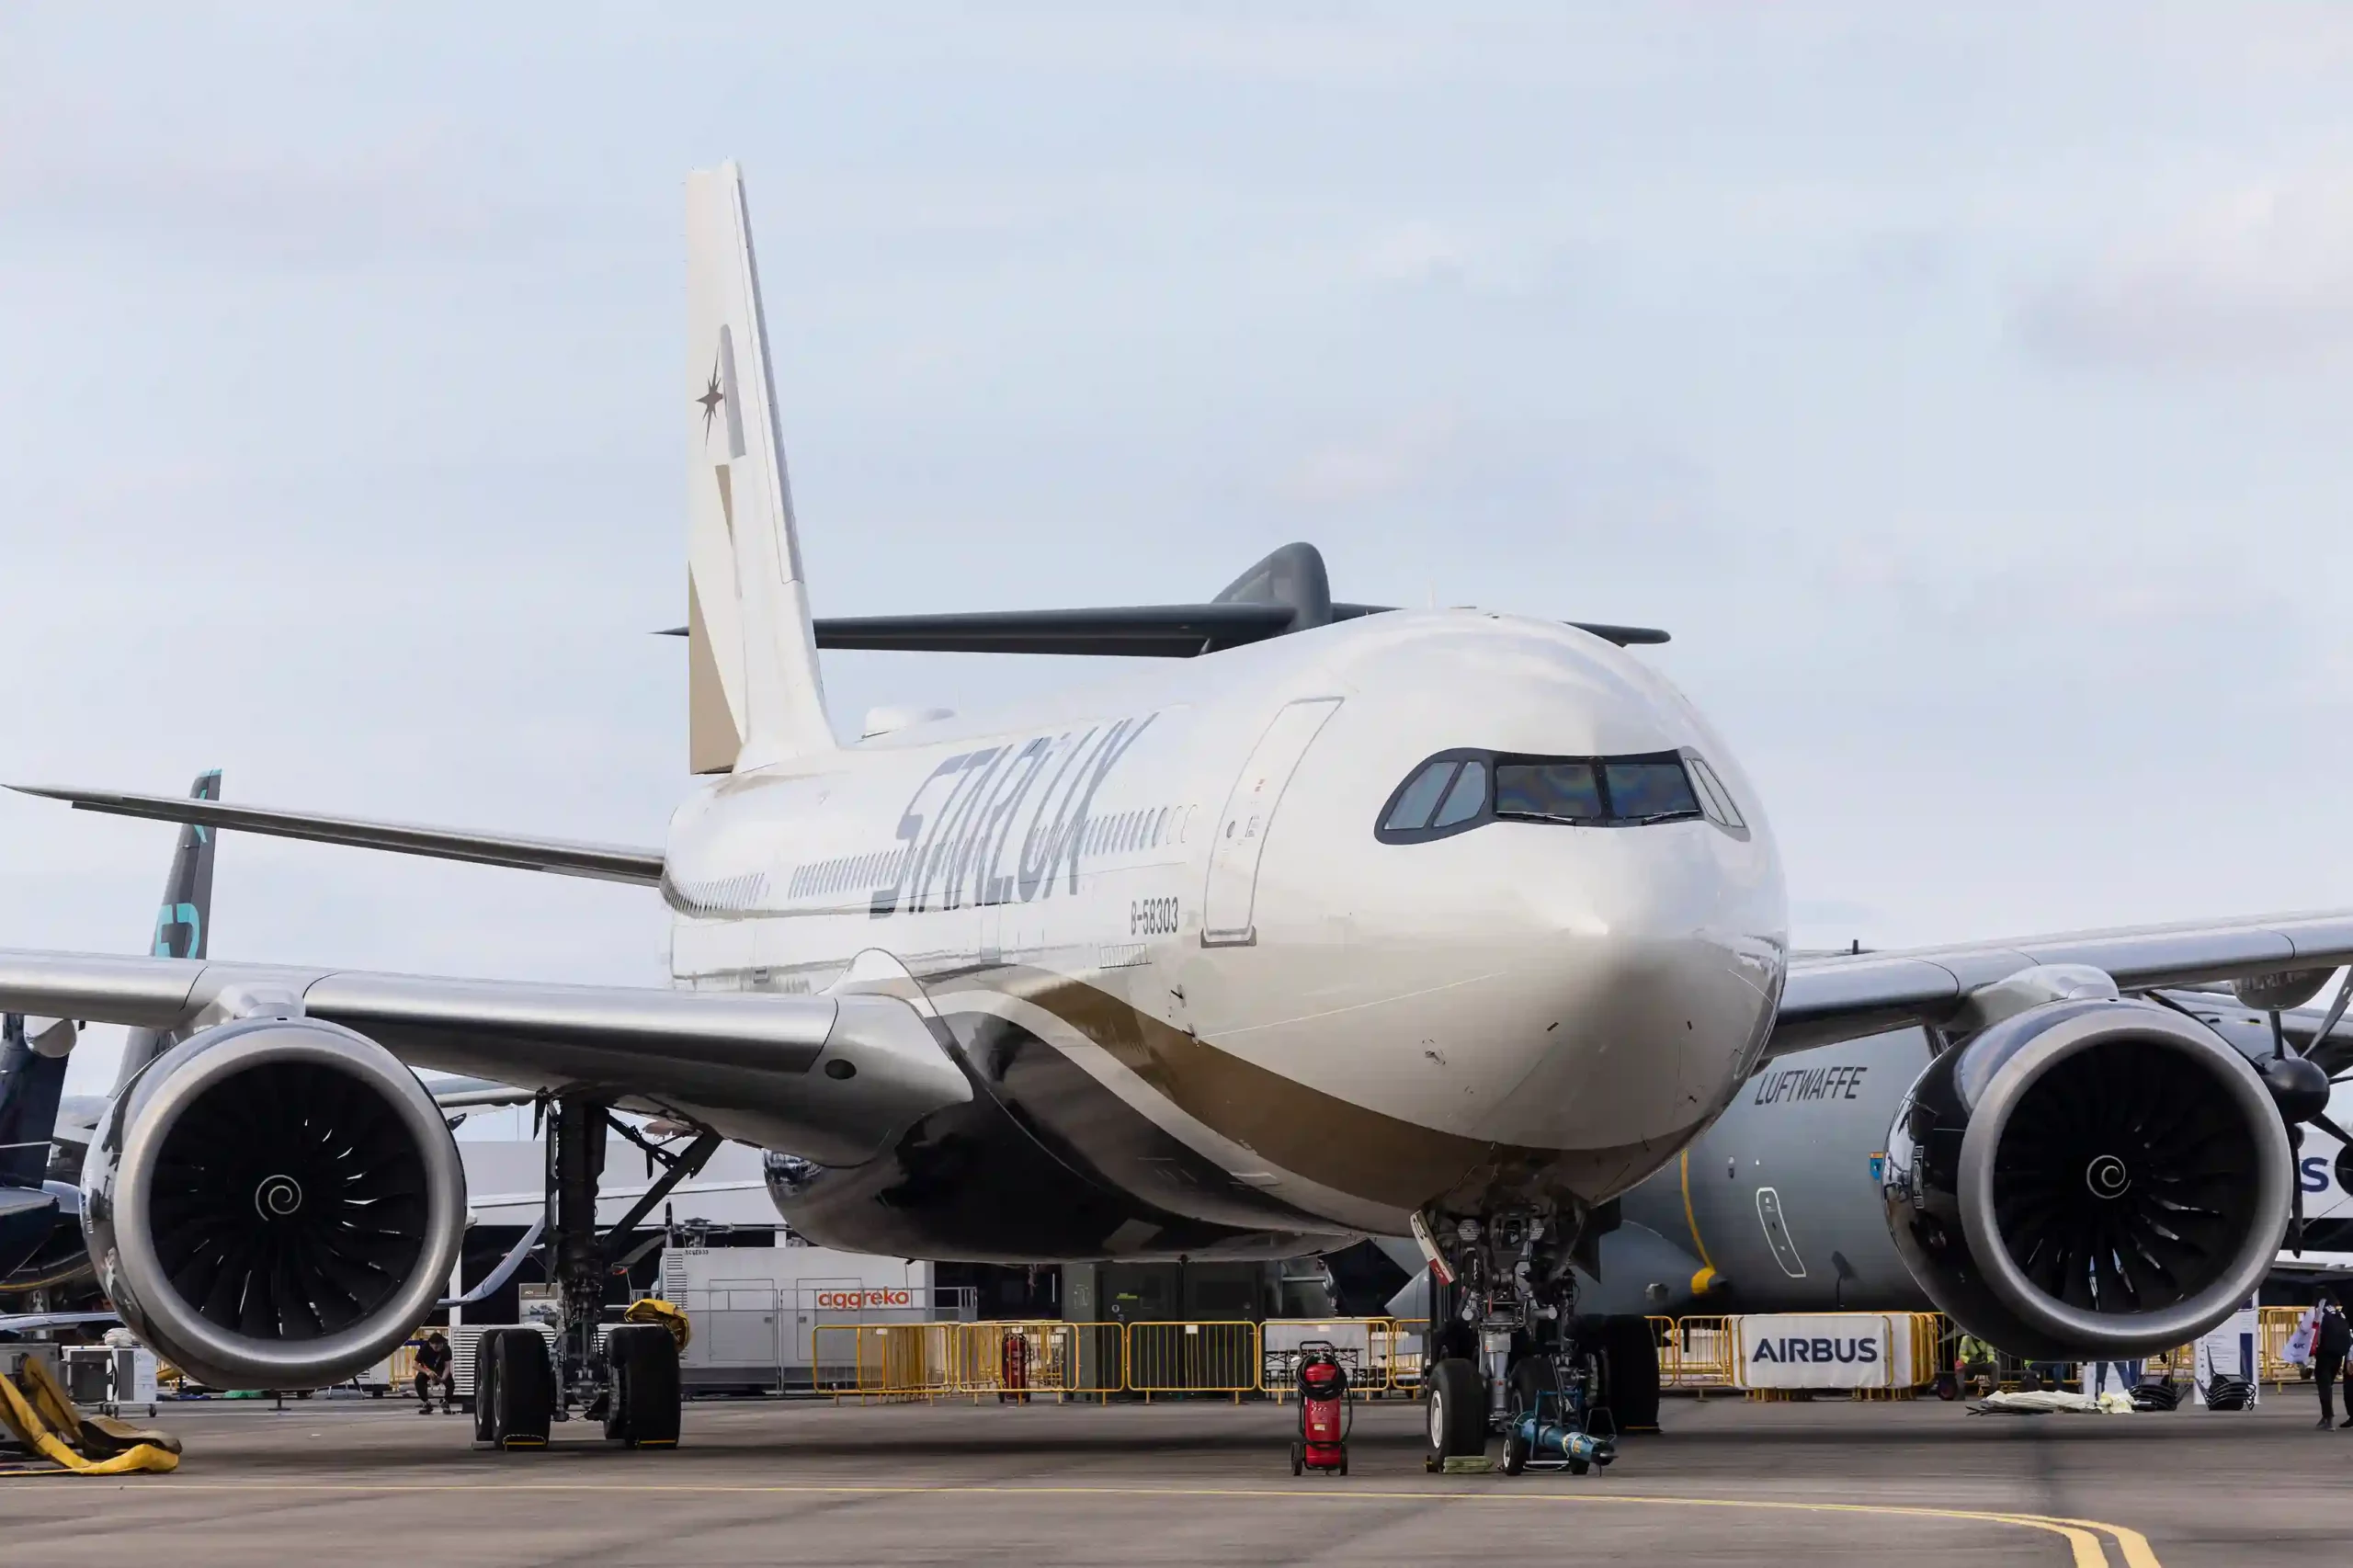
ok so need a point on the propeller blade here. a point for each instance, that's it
(2279, 1037)
(2296, 1218)
(2336, 1010)
(2320, 1119)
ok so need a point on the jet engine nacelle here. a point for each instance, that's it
(2099, 1178)
(274, 1203)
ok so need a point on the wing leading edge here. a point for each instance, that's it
(834, 1078)
(565, 856)
(1844, 997)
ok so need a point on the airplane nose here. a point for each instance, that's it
(1661, 970)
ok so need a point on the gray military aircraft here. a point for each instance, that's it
(1783, 1204)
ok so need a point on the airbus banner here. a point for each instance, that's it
(1821, 1350)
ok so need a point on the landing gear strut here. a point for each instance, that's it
(1506, 1341)
(630, 1379)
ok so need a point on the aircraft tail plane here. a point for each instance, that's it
(753, 692)
(182, 921)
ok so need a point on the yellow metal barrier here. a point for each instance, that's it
(1362, 1345)
(896, 1359)
(928, 1361)
(2275, 1327)
(1193, 1358)
(1067, 1360)
(1048, 1356)
(1101, 1349)
(1400, 1349)
(1701, 1356)
(1670, 1350)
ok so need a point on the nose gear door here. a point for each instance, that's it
(1241, 831)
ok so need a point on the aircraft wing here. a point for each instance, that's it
(565, 857)
(27, 1323)
(835, 1078)
(474, 1094)
(1846, 996)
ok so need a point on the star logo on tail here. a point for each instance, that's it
(709, 401)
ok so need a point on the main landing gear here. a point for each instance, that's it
(628, 1378)
(1508, 1354)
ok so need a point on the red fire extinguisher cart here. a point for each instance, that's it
(1325, 1412)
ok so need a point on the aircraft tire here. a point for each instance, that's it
(485, 1387)
(516, 1407)
(1531, 1376)
(644, 1409)
(1629, 1373)
(1457, 1424)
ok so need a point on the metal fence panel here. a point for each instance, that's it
(1358, 1342)
(1192, 1358)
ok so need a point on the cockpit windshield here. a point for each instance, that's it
(1458, 790)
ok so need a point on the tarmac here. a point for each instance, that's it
(1923, 1483)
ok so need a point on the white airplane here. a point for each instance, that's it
(1449, 923)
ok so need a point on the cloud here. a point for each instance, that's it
(2259, 274)
(1379, 466)
(1421, 252)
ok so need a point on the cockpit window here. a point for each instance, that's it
(1646, 791)
(1459, 791)
(1714, 799)
(1467, 799)
(1549, 791)
(1419, 797)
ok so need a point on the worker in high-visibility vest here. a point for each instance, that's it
(1977, 1364)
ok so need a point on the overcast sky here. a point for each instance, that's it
(1967, 390)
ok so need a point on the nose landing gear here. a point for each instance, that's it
(1508, 1354)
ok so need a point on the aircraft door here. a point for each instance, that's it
(1241, 831)
(1777, 1233)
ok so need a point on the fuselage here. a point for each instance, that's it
(1209, 1010)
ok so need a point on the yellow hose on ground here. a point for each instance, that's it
(16, 1413)
(95, 1436)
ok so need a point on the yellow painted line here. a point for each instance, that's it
(2132, 1543)
(2083, 1535)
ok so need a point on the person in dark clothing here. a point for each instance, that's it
(2331, 1337)
(433, 1361)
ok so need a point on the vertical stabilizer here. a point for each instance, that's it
(754, 693)
(182, 921)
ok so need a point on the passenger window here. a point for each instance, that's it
(1421, 797)
(1647, 788)
(1549, 791)
(1467, 799)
